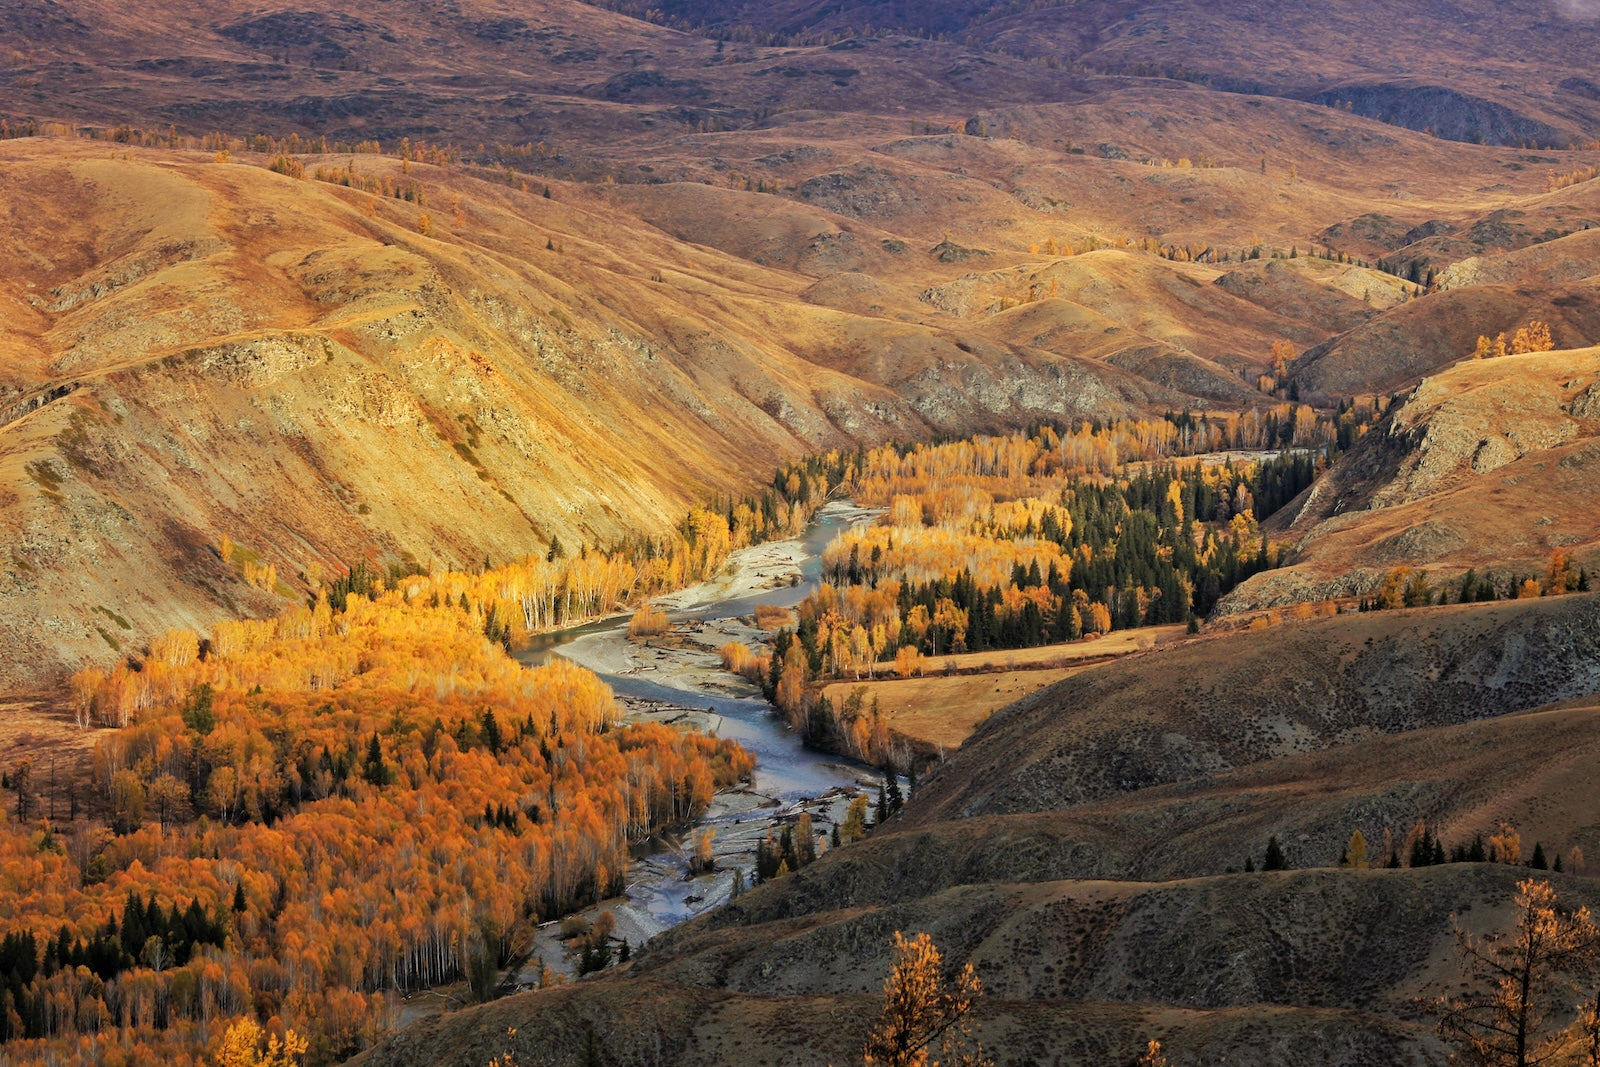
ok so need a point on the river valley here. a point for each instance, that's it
(678, 679)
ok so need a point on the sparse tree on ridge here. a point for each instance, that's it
(922, 1012)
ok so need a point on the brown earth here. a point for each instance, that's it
(1100, 919)
(1489, 464)
(1174, 714)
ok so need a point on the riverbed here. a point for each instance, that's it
(679, 679)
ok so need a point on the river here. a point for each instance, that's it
(681, 681)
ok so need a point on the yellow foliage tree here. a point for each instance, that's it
(245, 1044)
(1506, 844)
(1355, 853)
(1562, 577)
(1515, 984)
(921, 1008)
(1153, 1056)
(1534, 337)
(854, 827)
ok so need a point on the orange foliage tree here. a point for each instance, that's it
(356, 796)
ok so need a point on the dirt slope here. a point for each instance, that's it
(1488, 465)
(1174, 714)
(205, 349)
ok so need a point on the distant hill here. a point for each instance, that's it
(756, 246)
(1511, 73)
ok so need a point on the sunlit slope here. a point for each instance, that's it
(323, 374)
(1490, 464)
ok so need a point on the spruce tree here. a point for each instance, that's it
(374, 769)
(591, 1044)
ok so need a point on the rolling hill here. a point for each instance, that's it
(442, 284)
(1101, 915)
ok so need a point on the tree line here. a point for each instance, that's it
(1003, 543)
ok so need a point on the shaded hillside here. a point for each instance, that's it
(643, 1022)
(1512, 73)
(1298, 967)
(1489, 465)
(1530, 768)
(1174, 714)
(558, 71)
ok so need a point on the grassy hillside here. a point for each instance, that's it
(1488, 464)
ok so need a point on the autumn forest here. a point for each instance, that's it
(302, 818)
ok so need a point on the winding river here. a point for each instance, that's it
(688, 685)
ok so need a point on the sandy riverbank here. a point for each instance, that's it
(773, 565)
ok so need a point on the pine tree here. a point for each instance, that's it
(1275, 858)
(591, 1043)
(374, 770)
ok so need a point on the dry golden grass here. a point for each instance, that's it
(1116, 643)
(940, 712)
(940, 708)
(771, 617)
(648, 622)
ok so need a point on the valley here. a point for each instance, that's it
(1217, 392)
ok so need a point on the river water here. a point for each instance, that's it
(789, 778)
